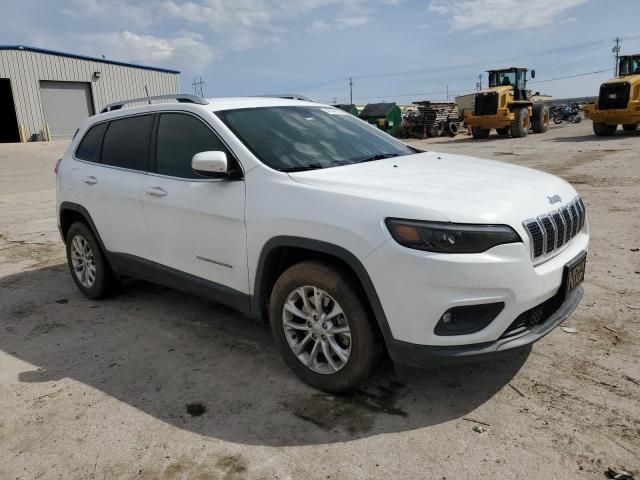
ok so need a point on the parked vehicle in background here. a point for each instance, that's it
(506, 106)
(349, 242)
(566, 113)
(618, 100)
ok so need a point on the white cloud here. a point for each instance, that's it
(487, 15)
(186, 51)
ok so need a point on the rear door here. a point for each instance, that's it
(110, 185)
(195, 224)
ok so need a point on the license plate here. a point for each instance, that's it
(574, 273)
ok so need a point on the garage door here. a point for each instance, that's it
(66, 105)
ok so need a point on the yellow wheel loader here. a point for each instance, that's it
(619, 100)
(506, 106)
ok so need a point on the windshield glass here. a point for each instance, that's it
(308, 137)
(629, 65)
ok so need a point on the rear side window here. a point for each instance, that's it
(90, 144)
(180, 137)
(126, 142)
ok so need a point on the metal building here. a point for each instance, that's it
(46, 94)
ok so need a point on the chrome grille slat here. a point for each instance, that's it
(552, 230)
(560, 228)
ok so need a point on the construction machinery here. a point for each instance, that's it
(619, 100)
(431, 119)
(507, 106)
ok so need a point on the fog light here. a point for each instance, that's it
(467, 319)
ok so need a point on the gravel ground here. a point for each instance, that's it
(100, 389)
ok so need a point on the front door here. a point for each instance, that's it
(195, 224)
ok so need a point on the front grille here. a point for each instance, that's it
(486, 103)
(534, 316)
(614, 95)
(552, 230)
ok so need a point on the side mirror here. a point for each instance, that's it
(210, 164)
(533, 74)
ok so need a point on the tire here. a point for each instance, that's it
(88, 266)
(361, 347)
(452, 129)
(540, 120)
(571, 119)
(630, 127)
(604, 130)
(478, 132)
(557, 119)
(520, 124)
(578, 119)
(503, 132)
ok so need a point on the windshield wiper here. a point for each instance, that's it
(302, 168)
(379, 156)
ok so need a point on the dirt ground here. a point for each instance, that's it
(99, 390)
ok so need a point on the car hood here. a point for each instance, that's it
(446, 187)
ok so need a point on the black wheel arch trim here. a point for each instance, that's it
(258, 298)
(84, 212)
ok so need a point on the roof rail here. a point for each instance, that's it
(290, 96)
(180, 97)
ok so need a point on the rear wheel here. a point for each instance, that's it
(87, 263)
(540, 120)
(322, 328)
(630, 127)
(478, 132)
(557, 119)
(503, 132)
(604, 130)
(520, 124)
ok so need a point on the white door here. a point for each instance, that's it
(195, 224)
(111, 182)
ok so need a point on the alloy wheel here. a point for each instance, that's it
(317, 329)
(82, 261)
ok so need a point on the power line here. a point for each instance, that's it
(570, 76)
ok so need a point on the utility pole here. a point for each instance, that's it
(616, 52)
(198, 86)
(350, 91)
(447, 93)
(479, 83)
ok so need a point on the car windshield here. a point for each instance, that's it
(295, 138)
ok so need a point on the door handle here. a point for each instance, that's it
(90, 180)
(156, 192)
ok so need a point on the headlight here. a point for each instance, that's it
(444, 237)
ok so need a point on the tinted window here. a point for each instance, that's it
(90, 144)
(126, 142)
(180, 137)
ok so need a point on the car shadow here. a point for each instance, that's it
(205, 368)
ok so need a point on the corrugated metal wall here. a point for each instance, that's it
(25, 69)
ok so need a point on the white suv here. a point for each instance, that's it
(351, 243)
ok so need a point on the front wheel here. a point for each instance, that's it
(604, 130)
(557, 119)
(520, 124)
(478, 132)
(322, 328)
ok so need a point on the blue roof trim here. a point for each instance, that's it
(83, 57)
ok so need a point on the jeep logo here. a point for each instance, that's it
(554, 199)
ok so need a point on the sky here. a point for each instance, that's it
(394, 50)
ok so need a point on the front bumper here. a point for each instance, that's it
(628, 115)
(426, 356)
(416, 288)
(502, 119)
